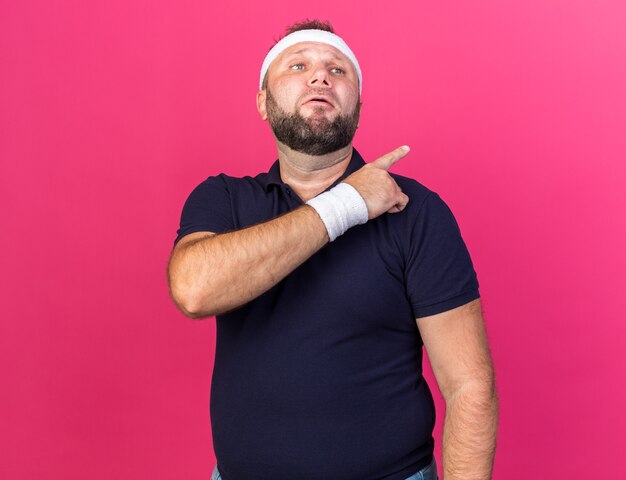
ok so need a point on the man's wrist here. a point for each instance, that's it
(340, 208)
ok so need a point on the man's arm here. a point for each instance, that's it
(210, 274)
(456, 343)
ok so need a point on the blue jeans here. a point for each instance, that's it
(427, 473)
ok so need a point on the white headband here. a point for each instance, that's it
(321, 36)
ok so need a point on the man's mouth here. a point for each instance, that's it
(319, 101)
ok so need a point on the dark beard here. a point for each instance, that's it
(311, 136)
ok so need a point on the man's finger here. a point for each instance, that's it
(387, 160)
(400, 205)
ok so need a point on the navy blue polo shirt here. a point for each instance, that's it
(321, 376)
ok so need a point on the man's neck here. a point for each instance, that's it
(309, 175)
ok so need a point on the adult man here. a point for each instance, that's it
(326, 275)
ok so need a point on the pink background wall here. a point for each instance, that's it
(111, 112)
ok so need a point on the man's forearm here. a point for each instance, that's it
(469, 433)
(219, 273)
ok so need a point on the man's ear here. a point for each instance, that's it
(261, 97)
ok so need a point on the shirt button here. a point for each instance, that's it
(288, 191)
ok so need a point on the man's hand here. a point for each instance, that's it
(380, 192)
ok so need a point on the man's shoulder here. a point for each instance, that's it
(226, 181)
(415, 190)
(423, 200)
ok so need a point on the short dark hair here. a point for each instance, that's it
(307, 24)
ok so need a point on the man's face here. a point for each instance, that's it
(312, 98)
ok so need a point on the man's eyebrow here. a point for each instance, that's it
(297, 52)
(302, 50)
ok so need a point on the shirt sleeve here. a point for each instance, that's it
(207, 209)
(439, 271)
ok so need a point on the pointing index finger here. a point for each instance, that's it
(387, 160)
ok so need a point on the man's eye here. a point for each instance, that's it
(297, 66)
(337, 70)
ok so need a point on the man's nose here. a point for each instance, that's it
(320, 78)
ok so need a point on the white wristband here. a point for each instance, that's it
(340, 208)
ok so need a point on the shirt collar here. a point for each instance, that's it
(272, 177)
